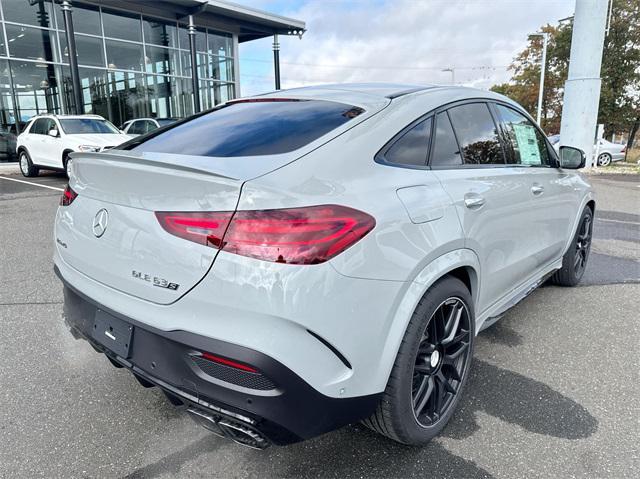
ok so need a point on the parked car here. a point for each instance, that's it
(48, 140)
(141, 126)
(7, 143)
(607, 151)
(287, 264)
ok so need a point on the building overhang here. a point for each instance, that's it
(248, 23)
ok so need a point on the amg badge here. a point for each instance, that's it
(154, 280)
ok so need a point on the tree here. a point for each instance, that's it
(620, 91)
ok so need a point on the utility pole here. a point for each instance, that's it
(276, 60)
(543, 67)
(582, 88)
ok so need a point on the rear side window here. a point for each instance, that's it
(412, 147)
(529, 147)
(477, 134)
(445, 150)
(251, 128)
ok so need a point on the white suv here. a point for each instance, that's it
(48, 140)
(290, 263)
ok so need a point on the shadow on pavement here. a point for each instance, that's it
(355, 451)
(519, 400)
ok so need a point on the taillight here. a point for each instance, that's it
(308, 235)
(204, 228)
(68, 195)
(624, 149)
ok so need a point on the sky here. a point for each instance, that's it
(407, 41)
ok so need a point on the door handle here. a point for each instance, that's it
(473, 201)
(537, 189)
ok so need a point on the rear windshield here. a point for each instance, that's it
(78, 126)
(251, 128)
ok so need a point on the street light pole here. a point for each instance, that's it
(452, 70)
(543, 67)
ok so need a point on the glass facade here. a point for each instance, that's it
(130, 65)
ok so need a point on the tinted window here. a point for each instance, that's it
(445, 150)
(74, 126)
(137, 128)
(251, 128)
(477, 134)
(529, 147)
(39, 126)
(412, 147)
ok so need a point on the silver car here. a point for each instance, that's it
(287, 264)
(606, 150)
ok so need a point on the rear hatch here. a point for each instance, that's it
(134, 254)
(110, 232)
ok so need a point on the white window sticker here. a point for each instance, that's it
(527, 144)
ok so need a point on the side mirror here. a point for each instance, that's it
(572, 158)
(54, 133)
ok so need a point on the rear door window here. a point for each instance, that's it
(477, 134)
(251, 128)
(528, 144)
(412, 147)
(39, 126)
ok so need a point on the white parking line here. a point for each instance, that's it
(618, 221)
(30, 183)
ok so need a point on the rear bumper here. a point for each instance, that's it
(281, 406)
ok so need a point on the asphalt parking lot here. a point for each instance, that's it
(554, 390)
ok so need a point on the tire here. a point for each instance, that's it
(65, 163)
(408, 411)
(27, 168)
(574, 261)
(604, 159)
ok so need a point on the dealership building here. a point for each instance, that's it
(133, 59)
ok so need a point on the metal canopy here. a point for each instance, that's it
(249, 23)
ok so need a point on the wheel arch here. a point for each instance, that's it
(588, 201)
(462, 264)
(65, 155)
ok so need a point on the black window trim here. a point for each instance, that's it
(379, 157)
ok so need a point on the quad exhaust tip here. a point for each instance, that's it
(237, 431)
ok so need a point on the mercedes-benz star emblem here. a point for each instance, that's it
(100, 222)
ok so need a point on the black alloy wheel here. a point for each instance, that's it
(583, 245)
(574, 261)
(441, 361)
